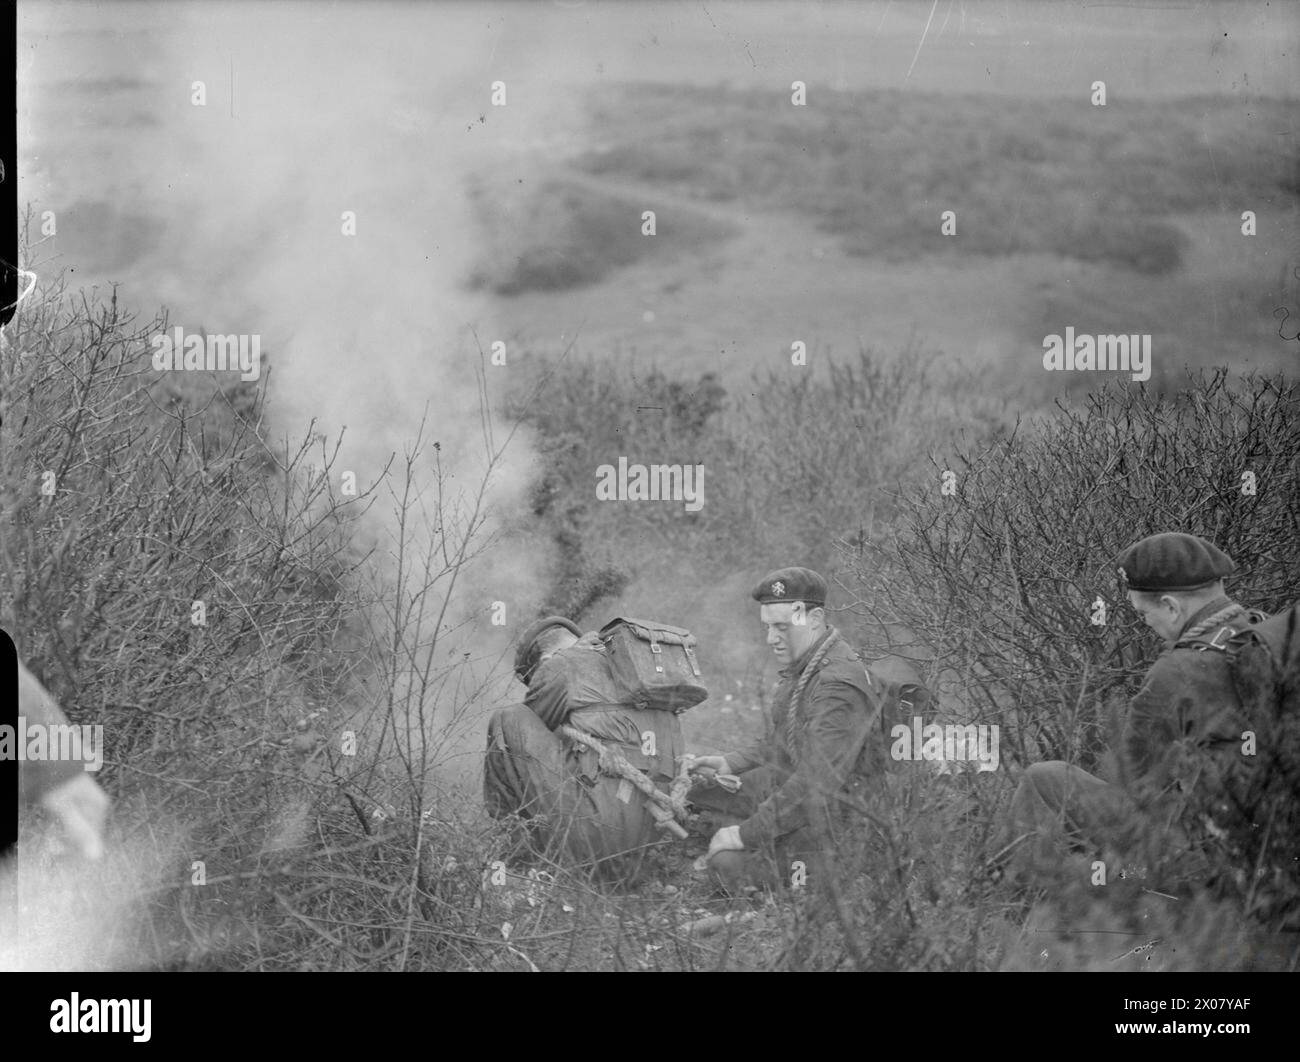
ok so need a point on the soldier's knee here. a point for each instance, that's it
(514, 714)
(508, 726)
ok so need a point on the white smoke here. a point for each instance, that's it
(233, 214)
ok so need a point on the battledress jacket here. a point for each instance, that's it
(837, 743)
(1188, 697)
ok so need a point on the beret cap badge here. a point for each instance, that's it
(791, 584)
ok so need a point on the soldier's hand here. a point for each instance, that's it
(726, 839)
(717, 764)
(81, 808)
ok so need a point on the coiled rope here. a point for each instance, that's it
(831, 639)
(1210, 622)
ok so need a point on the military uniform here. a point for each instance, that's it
(800, 785)
(573, 810)
(1187, 700)
(1188, 697)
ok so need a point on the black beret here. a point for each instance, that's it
(791, 584)
(1172, 560)
(524, 655)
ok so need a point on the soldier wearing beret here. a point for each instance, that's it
(825, 746)
(572, 809)
(1175, 582)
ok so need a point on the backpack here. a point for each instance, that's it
(1257, 653)
(653, 664)
(901, 691)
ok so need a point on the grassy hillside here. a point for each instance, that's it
(875, 170)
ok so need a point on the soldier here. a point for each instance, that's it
(798, 785)
(574, 810)
(1188, 700)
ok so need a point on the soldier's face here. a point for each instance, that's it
(790, 630)
(1164, 616)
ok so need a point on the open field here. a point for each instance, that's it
(823, 223)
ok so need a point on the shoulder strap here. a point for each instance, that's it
(1221, 639)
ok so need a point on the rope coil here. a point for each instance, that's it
(801, 685)
(665, 809)
(1209, 623)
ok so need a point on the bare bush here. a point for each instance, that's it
(1000, 580)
